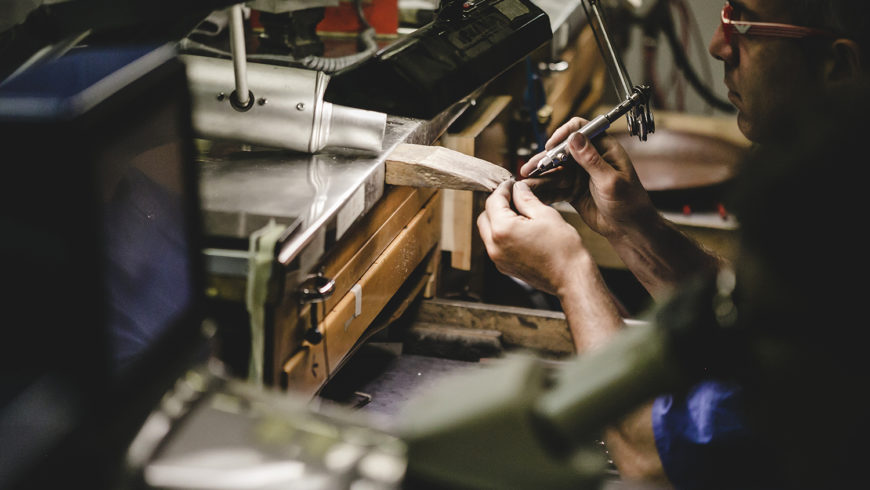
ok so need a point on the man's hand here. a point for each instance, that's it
(533, 243)
(615, 204)
(605, 190)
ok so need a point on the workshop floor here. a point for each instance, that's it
(380, 378)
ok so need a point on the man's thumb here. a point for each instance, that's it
(526, 202)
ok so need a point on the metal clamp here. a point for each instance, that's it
(315, 289)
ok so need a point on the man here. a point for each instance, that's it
(798, 303)
(783, 60)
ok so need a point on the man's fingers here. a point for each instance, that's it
(587, 156)
(527, 203)
(557, 137)
(498, 204)
(564, 130)
(485, 229)
(530, 165)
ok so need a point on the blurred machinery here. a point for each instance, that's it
(290, 26)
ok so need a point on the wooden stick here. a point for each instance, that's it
(443, 168)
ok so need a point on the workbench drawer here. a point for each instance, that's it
(345, 323)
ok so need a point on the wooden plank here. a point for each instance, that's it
(597, 86)
(539, 330)
(458, 227)
(487, 110)
(465, 344)
(342, 326)
(581, 86)
(433, 267)
(440, 167)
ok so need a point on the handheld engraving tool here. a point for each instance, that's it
(559, 155)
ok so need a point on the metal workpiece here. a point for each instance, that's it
(287, 109)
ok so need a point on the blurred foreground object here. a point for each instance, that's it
(102, 200)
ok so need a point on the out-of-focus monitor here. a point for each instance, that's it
(100, 212)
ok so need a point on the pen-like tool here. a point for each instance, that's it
(559, 154)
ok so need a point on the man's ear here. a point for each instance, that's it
(846, 64)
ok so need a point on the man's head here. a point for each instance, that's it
(773, 79)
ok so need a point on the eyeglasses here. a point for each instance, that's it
(767, 29)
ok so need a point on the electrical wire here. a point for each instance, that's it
(332, 65)
(701, 44)
(681, 60)
(678, 82)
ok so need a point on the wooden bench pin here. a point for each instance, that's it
(435, 166)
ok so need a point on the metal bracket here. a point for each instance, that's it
(315, 289)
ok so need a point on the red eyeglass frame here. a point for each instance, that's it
(767, 29)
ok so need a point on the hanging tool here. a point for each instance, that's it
(559, 155)
(640, 120)
(635, 99)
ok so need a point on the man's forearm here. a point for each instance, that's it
(594, 319)
(632, 447)
(661, 256)
(592, 315)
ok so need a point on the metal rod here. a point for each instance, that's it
(618, 74)
(237, 45)
(559, 155)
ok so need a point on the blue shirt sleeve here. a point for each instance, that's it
(704, 442)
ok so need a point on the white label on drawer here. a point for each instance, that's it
(352, 209)
(357, 311)
(357, 291)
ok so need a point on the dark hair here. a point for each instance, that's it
(846, 18)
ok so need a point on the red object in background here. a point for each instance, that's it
(383, 15)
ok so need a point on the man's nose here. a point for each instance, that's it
(720, 48)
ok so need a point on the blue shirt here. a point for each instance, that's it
(704, 442)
